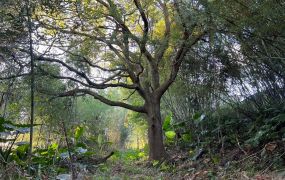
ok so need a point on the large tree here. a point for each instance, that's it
(134, 45)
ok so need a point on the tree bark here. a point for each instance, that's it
(155, 136)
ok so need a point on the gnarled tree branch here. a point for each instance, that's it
(109, 102)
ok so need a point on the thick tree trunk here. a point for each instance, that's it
(155, 137)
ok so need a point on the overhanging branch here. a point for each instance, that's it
(109, 102)
(84, 76)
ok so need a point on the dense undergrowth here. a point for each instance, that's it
(240, 137)
(237, 141)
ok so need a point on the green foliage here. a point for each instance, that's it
(167, 122)
(169, 128)
(130, 155)
(187, 137)
(46, 157)
(267, 131)
(9, 134)
(22, 152)
(100, 140)
(78, 132)
(170, 135)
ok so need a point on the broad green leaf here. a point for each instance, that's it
(53, 146)
(141, 154)
(187, 137)
(78, 132)
(22, 150)
(167, 122)
(100, 139)
(170, 134)
(81, 144)
(179, 125)
(44, 153)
